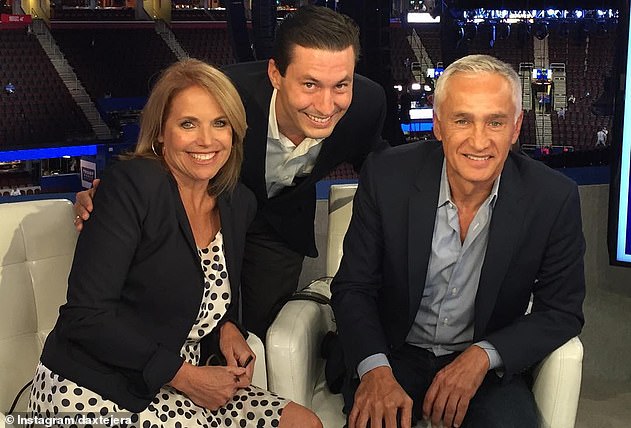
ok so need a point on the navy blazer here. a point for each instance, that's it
(292, 212)
(136, 284)
(535, 246)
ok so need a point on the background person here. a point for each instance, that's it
(601, 137)
(154, 285)
(307, 112)
(446, 245)
(9, 88)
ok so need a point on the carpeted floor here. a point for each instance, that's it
(604, 405)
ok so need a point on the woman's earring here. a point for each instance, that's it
(154, 149)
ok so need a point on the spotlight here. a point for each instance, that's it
(578, 14)
(541, 30)
(470, 31)
(459, 33)
(554, 13)
(492, 33)
(503, 31)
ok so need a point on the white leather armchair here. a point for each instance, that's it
(37, 241)
(295, 368)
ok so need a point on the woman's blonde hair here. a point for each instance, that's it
(176, 78)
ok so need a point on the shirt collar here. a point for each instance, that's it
(272, 126)
(444, 194)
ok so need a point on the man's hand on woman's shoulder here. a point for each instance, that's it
(83, 205)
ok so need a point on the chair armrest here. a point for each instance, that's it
(259, 377)
(293, 344)
(557, 385)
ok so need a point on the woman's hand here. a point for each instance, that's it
(209, 386)
(235, 349)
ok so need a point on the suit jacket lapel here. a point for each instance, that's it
(422, 215)
(182, 218)
(503, 234)
(255, 144)
(227, 230)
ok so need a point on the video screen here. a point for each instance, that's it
(620, 214)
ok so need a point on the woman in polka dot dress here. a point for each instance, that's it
(154, 284)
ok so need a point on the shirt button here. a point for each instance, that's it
(445, 321)
(454, 291)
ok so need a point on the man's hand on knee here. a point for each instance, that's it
(83, 205)
(378, 400)
(453, 387)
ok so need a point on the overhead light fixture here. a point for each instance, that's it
(503, 31)
(541, 30)
(553, 13)
(492, 34)
(470, 31)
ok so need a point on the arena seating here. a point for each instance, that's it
(208, 44)
(194, 14)
(587, 66)
(41, 111)
(430, 36)
(343, 171)
(400, 50)
(121, 62)
(99, 14)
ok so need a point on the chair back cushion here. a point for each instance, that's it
(37, 241)
(340, 211)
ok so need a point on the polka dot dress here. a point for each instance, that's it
(52, 395)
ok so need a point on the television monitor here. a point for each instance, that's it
(434, 73)
(619, 230)
(542, 74)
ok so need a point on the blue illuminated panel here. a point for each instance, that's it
(623, 251)
(417, 127)
(47, 153)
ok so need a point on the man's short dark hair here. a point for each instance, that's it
(314, 27)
